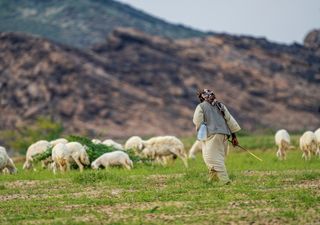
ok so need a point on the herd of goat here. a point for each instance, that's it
(160, 149)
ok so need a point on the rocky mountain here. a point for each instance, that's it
(81, 23)
(135, 83)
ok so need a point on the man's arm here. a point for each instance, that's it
(198, 117)
(231, 122)
(233, 126)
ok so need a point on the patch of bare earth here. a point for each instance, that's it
(89, 191)
(271, 172)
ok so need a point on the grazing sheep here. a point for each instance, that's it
(282, 140)
(59, 140)
(196, 147)
(161, 147)
(64, 154)
(308, 144)
(116, 158)
(5, 162)
(134, 143)
(112, 143)
(96, 141)
(34, 149)
(317, 133)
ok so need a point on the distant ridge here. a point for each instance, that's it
(82, 23)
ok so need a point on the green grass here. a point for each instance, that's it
(268, 192)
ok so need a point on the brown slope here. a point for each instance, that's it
(264, 84)
(145, 85)
(38, 77)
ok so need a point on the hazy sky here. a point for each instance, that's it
(284, 21)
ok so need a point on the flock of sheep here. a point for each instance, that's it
(160, 149)
(64, 153)
(309, 144)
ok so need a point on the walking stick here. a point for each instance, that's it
(248, 151)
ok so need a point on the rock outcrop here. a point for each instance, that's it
(312, 41)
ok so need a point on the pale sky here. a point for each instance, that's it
(284, 21)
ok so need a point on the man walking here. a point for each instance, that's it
(220, 126)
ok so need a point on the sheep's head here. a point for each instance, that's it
(96, 141)
(94, 165)
(27, 165)
(141, 146)
(12, 169)
(84, 158)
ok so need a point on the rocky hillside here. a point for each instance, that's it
(135, 83)
(81, 23)
(264, 84)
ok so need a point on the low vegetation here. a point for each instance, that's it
(268, 192)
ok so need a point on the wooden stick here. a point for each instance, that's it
(248, 151)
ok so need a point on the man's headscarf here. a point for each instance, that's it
(205, 94)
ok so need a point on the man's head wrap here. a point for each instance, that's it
(205, 94)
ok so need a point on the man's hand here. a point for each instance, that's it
(234, 140)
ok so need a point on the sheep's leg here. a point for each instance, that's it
(164, 160)
(304, 155)
(308, 156)
(61, 167)
(282, 154)
(106, 166)
(67, 165)
(278, 154)
(78, 163)
(54, 168)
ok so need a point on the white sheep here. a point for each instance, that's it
(34, 149)
(65, 154)
(59, 140)
(96, 141)
(308, 144)
(112, 143)
(162, 147)
(5, 162)
(317, 133)
(196, 147)
(134, 143)
(116, 158)
(282, 140)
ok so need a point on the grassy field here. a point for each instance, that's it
(268, 192)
